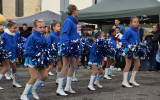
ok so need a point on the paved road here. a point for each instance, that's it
(112, 90)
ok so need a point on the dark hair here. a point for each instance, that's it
(54, 24)
(24, 24)
(10, 23)
(156, 26)
(117, 28)
(116, 19)
(111, 31)
(36, 21)
(131, 19)
(70, 9)
(98, 34)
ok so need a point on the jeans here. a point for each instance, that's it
(152, 60)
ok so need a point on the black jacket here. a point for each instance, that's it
(25, 34)
(155, 40)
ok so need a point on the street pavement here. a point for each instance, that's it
(112, 90)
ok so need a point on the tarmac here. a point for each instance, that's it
(149, 88)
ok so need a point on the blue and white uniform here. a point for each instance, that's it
(131, 36)
(32, 41)
(10, 43)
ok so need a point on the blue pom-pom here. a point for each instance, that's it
(87, 44)
(140, 49)
(73, 49)
(4, 54)
(20, 47)
(44, 55)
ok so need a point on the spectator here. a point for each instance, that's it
(117, 23)
(1, 30)
(84, 55)
(47, 31)
(154, 44)
(25, 32)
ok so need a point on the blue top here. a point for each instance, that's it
(80, 36)
(93, 57)
(113, 41)
(131, 36)
(17, 35)
(53, 38)
(32, 41)
(122, 29)
(10, 44)
(69, 31)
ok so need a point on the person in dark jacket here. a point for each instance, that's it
(154, 44)
(25, 32)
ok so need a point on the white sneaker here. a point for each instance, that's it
(50, 73)
(1, 88)
(7, 76)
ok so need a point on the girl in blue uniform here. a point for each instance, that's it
(131, 36)
(111, 62)
(69, 33)
(37, 37)
(10, 44)
(54, 37)
(96, 62)
(74, 78)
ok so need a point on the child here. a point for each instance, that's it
(33, 40)
(111, 62)
(10, 45)
(130, 37)
(119, 58)
(74, 78)
(54, 37)
(47, 31)
(69, 33)
(96, 62)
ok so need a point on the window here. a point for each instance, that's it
(19, 8)
(1, 10)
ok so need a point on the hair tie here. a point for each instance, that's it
(52, 22)
(68, 11)
(96, 32)
(7, 23)
(34, 20)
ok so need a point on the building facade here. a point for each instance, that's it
(13, 9)
(54, 5)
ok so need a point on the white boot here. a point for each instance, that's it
(25, 92)
(90, 86)
(106, 74)
(74, 78)
(60, 90)
(58, 74)
(1, 75)
(68, 86)
(15, 83)
(36, 87)
(11, 76)
(97, 83)
(132, 79)
(111, 70)
(50, 73)
(7, 76)
(125, 80)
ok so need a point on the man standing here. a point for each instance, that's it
(25, 32)
(117, 23)
(154, 44)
